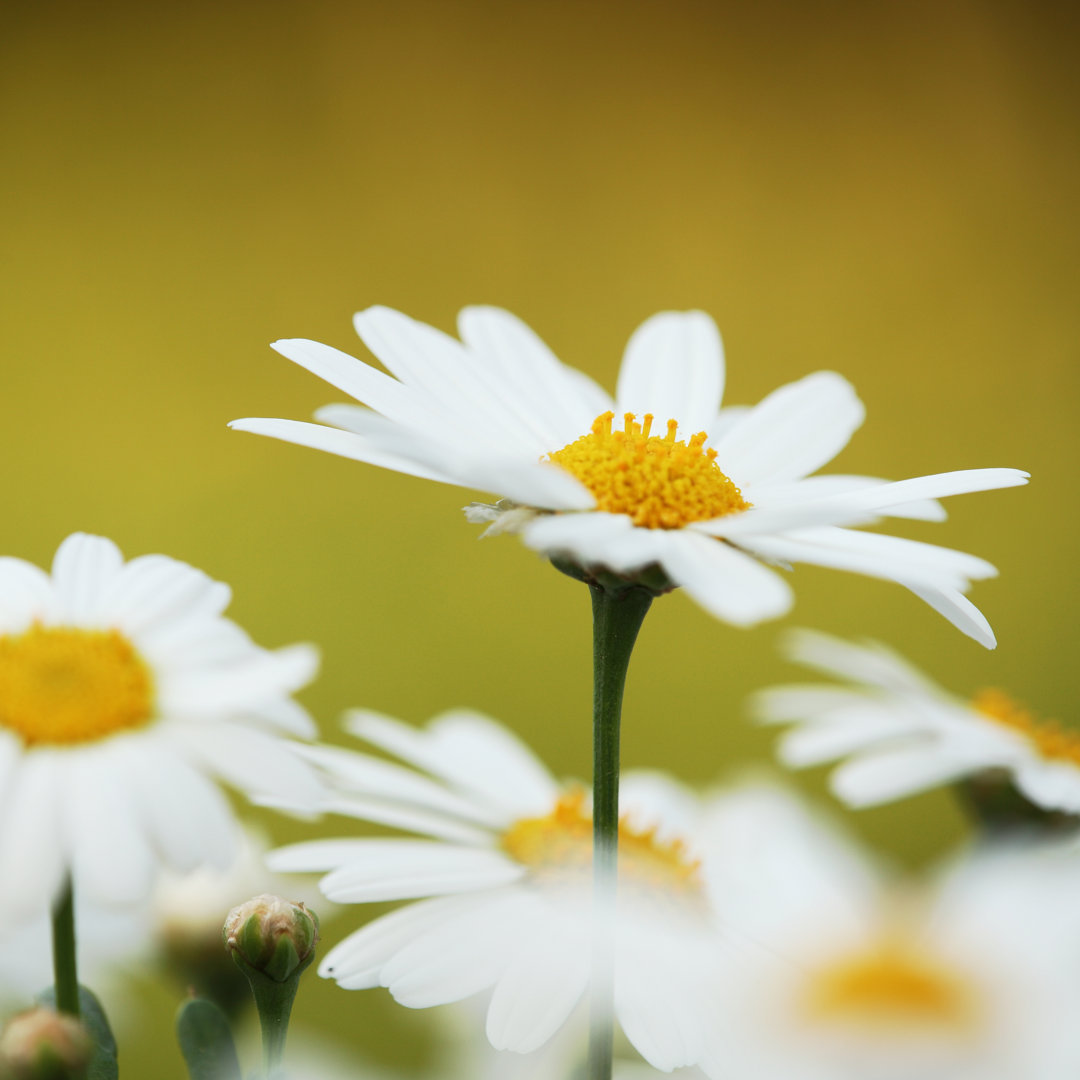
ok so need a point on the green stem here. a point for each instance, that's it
(65, 974)
(274, 1001)
(617, 618)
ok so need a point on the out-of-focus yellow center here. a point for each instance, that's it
(60, 685)
(1050, 738)
(890, 985)
(558, 848)
(660, 482)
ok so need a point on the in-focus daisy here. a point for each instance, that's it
(656, 478)
(971, 975)
(901, 734)
(123, 691)
(504, 884)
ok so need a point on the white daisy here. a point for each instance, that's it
(708, 500)
(505, 871)
(902, 734)
(123, 689)
(858, 975)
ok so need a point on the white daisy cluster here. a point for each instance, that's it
(714, 498)
(739, 935)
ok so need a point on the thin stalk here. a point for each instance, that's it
(65, 973)
(274, 1001)
(617, 618)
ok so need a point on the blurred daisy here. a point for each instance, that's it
(972, 976)
(123, 690)
(902, 734)
(658, 477)
(506, 872)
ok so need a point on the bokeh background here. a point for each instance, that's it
(888, 190)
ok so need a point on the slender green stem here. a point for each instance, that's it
(617, 618)
(65, 974)
(274, 1001)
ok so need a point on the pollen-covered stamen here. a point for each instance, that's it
(558, 848)
(891, 984)
(60, 685)
(659, 481)
(1050, 738)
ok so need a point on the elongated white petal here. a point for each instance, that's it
(724, 581)
(540, 986)
(823, 486)
(881, 777)
(843, 732)
(959, 610)
(408, 869)
(357, 961)
(152, 589)
(792, 432)
(673, 368)
(561, 403)
(359, 380)
(335, 441)
(472, 752)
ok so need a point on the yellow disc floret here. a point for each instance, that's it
(1050, 738)
(62, 685)
(558, 848)
(892, 984)
(659, 481)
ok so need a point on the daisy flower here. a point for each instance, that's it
(504, 886)
(123, 691)
(657, 478)
(858, 975)
(901, 734)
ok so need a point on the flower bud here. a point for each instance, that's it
(41, 1044)
(273, 936)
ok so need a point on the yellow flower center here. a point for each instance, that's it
(60, 685)
(1050, 738)
(890, 985)
(660, 482)
(558, 849)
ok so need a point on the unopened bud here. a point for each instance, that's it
(273, 936)
(41, 1044)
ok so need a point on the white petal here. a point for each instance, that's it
(335, 441)
(867, 662)
(25, 594)
(112, 861)
(396, 816)
(186, 816)
(841, 734)
(407, 869)
(359, 380)
(893, 774)
(673, 368)
(83, 571)
(34, 852)
(372, 777)
(960, 611)
(561, 402)
(540, 987)
(657, 1011)
(461, 956)
(153, 589)
(725, 582)
(874, 554)
(595, 539)
(818, 487)
(471, 751)
(1053, 785)
(356, 961)
(791, 433)
(252, 761)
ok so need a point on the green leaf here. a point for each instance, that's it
(206, 1041)
(103, 1065)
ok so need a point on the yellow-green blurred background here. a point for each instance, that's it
(884, 189)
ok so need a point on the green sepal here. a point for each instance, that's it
(206, 1041)
(651, 578)
(284, 961)
(103, 1064)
